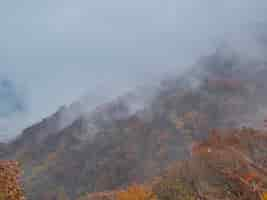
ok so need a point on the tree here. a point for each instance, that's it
(136, 192)
(10, 188)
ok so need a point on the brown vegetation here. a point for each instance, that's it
(10, 188)
(136, 192)
(229, 165)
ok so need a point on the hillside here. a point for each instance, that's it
(131, 139)
(229, 164)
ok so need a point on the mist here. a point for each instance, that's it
(58, 52)
(13, 106)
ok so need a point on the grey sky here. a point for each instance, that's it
(57, 50)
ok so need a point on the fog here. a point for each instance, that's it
(54, 52)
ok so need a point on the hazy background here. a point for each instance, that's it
(54, 51)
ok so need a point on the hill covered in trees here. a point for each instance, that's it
(135, 138)
(229, 164)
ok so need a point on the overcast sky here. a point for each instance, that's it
(54, 51)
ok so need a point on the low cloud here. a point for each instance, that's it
(11, 101)
(13, 108)
(64, 50)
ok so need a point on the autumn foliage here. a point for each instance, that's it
(232, 164)
(136, 192)
(10, 188)
(228, 165)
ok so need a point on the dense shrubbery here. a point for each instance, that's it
(229, 165)
(170, 189)
(136, 192)
(10, 188)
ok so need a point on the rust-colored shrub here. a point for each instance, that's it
(136, 192)
(10, 188)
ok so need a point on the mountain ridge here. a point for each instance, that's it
(116, 144)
